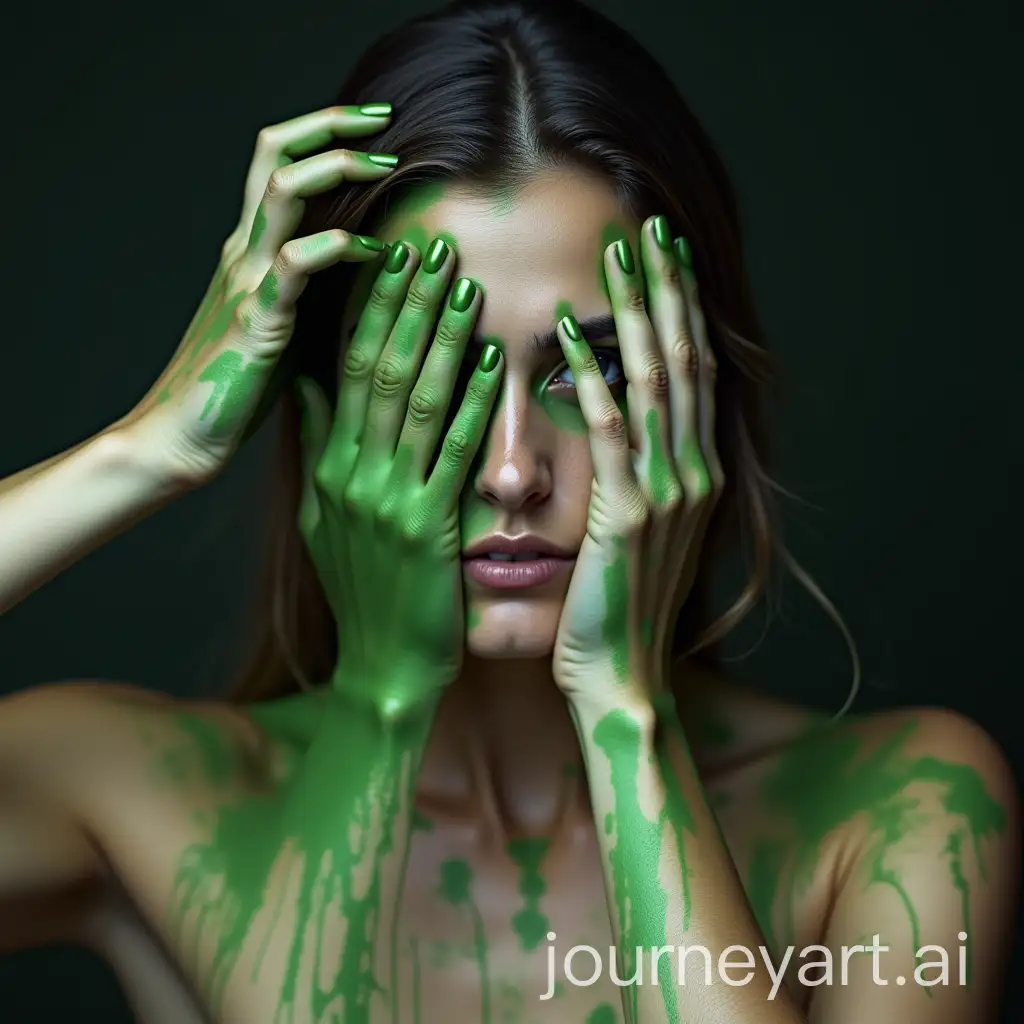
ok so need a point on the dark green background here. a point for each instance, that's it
(873, 148)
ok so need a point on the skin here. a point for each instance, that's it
(387, 848)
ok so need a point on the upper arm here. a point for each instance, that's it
(937, 859)
(49, 868)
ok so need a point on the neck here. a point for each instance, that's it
(504, 753)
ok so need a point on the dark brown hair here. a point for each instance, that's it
(490, 91)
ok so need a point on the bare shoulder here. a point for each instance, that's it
(104, 732)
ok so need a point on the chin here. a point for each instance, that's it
(513, 629)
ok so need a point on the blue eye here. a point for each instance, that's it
(607, 359)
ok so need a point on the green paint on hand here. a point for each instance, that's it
(603, 1014)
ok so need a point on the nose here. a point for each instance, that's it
(515, 470)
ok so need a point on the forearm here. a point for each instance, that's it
(669, 877)
(54, 513)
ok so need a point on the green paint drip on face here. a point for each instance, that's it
(529, 923)
(635, 862)
(603, 1014)
(420, 822)
(828, 779)
(323, 837)
(456, 889)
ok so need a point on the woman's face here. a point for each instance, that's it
(536, 255)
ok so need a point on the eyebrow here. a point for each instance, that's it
(594, 328)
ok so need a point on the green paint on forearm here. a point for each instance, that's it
(529, 923)
(634, 861)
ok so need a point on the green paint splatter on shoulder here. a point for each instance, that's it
(529, 923)
(831, 777)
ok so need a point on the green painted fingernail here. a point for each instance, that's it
(624, 256)
(436, 255)
(662, 234)
(572, 328)
(397, 258)
(490, 356)
(683, 252)
(383, 159)
(371, 243)
(462, 295)
(375, 109)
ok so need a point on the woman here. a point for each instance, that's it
(524, 434)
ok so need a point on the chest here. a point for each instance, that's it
(258, 927)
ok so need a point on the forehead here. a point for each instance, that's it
(532, 251)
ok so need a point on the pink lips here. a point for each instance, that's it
(543, 562)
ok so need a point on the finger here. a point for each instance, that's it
(315, 419)
(279, 144)
(376, 321)
(643, 362)
(280, 211)
(399, 364)
(609, 437)
(265, 318)
(698, 453)
(465, 435)
(432, 395)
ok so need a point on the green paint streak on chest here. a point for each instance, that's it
(328, 829)
(457, 889)
(603, 1014)
(828, 780)
(529, 923)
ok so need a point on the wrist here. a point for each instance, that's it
(128, 446)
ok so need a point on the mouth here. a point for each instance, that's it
(515, 562)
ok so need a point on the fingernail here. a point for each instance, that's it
(462, 295)
(489, 358)
(375, 109)
(368, 242)
(683, 252)
(624, 256)
(662, 234)
(397, 258)
(571, 328)
(383, 159)
(436, 255)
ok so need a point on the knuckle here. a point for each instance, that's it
(478, 393)
(387, 379)
(448, 336)
(611, 425)
(420, 297)
(267, 138)
(289, 258)
(424, 405)
(655, 377)
(589, 366)
(358, 365)
(382, 296)
(279, 183)
(635, 301)
(670, 275)
(684, 351)
(456, 446)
